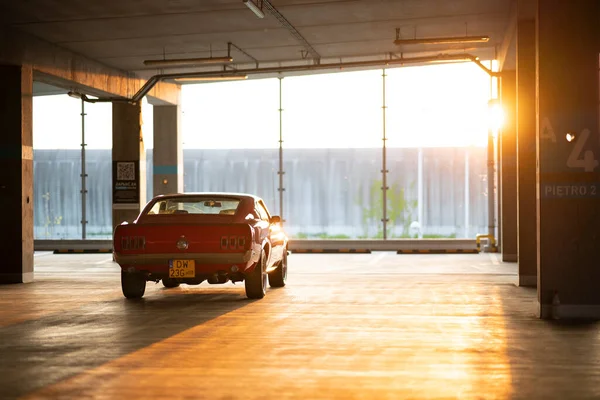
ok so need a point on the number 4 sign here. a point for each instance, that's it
(588, 163)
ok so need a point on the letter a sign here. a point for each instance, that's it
(546, 130)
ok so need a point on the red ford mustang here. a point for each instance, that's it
(193, 237)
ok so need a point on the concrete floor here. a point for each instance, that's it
(364, 326)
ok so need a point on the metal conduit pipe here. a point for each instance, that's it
(441, 58)
(83, 175)
(281, 172)
(314, 245)
(318, 67)
(384, 170)
(343, 65)
(286, 24)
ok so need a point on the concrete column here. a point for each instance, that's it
(168, 150)
(16, 174)
(508, 169)
(129, 162)
(526, 154)
(568, 175)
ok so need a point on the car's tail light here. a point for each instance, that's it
(133, 243)
(233, 242)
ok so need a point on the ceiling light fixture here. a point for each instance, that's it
(444, 40)
(211, 78)
(254, 8)
(183, 62)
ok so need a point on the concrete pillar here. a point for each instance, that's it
(568, 174)
(168, 150)
(526, 154)
(16, 174)
(129, 162)
(508, 169)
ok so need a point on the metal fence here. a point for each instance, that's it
(329, 193)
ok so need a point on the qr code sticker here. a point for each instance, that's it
(126, 171)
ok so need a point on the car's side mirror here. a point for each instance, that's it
(276, 219)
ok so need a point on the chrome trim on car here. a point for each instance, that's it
(200, 258)
(182, 243)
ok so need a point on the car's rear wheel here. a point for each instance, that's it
(170, 283)
(133, 284)
(256, 281)
(278, 277)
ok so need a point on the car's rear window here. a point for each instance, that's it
(196, 205)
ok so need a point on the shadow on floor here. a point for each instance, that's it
(548, 359)
(40, 352)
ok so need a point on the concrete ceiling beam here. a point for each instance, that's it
(519, 10)
(65, 69)
(505, 56)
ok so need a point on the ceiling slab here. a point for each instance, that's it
(43, 89)
(122, 34)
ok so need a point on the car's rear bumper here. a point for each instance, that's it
(205, 262)
(200, 258)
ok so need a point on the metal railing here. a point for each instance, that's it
(402, 246)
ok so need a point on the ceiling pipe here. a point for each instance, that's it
(183, 62)
(150, 83)
(443, 40)
(224, 78)
(317, 67)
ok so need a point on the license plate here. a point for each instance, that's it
(182, 269)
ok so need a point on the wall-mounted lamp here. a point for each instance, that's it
(186, 62)
(570, 136)
(443, 40)
(254, 8)
(211, 78)
(84, 97)
(75, 95)
(165, 181)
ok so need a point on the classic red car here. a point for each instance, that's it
(192, 237)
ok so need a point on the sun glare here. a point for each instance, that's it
(496, 116)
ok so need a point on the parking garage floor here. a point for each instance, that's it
(360, 326)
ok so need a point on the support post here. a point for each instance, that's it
(508, 168)
(420, 194)
(491, 191)
(281, 172)
(16, 174)
(527, 212)
(492, 234)
(568, 167)
(467, 194)
(167, 154)
(83, 175)
(129, 162)
(384, 171)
